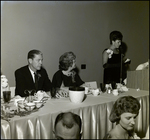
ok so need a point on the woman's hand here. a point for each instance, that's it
(62, 93)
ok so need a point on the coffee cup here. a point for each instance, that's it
(115, 92)
(86, 90)
(39, 95)
(95, 92)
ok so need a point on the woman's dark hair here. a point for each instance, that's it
(66, 60)
(115, 35)
(32, 53)
(122, 105)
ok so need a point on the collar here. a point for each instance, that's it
(32, 72)
(66, 73)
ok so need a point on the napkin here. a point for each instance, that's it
(122, 87)
(125, 88)
(45, 94)
(143, 66)
(17, 98)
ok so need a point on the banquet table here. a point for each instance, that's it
(94, 112)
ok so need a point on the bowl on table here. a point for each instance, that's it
(29, 106)
(76, 94)
(38, 104)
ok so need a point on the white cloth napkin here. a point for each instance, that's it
(18, 98)
(122, 87)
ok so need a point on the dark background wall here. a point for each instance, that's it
(83, 27)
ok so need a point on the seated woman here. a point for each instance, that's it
(67, 75)
(124, 112)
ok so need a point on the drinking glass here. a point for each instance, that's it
(6, 96)
(29, 92)
(113, 85)
(103, 87)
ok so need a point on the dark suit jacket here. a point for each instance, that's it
(24, 80)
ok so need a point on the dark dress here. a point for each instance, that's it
(59, 77)
(112, 70)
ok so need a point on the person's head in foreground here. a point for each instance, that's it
(124, 112)
(67, 126)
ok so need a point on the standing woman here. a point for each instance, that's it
(112, 59)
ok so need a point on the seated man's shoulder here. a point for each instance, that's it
(42, 70)
(21, 68)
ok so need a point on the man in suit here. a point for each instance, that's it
(32, 76)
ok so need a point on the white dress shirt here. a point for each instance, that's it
(32, 73)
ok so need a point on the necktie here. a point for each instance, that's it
(36, 81)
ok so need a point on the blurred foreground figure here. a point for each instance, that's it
(67, 126)
(124, 112)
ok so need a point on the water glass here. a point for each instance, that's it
(6, 96)
(103, 87)
(113, 85)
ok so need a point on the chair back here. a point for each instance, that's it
(92, 84)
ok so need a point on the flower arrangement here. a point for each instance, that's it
(4, 84)
(109, 52)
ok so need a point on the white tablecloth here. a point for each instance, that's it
(94, 112)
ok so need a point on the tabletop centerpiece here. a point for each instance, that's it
(4, 85)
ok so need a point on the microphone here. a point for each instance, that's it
(121, 50)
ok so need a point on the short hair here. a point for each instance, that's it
(74, 119)
(66, 60)
(123, 105)
(115, 35)
(32, 53)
